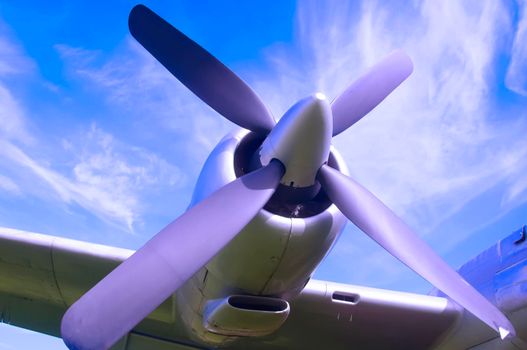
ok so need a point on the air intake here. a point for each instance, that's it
(245, 315)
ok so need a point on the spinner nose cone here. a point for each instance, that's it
(301, 140)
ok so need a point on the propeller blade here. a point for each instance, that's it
(199, 71)
(141, 283)
(369, 90)
(375, 219)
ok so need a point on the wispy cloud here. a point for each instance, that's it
(516, 79)
(90, 169)
(8, 185)
(13, 60)
(12, 121)
(105, 178)
(135, 82)
(13, 64)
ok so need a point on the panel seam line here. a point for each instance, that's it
(54, 272)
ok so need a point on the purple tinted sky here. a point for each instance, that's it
(99, 143)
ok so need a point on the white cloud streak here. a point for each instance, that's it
(516, 79)
(103, 180)
(13, 60)
(8, 185)
(12, 121)
(134, 81)
(102, 175)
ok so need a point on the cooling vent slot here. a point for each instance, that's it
(245, 315)
(246, 302)
(348, 298)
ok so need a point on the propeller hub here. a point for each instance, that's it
(301, 140)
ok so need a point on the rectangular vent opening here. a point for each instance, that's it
(349, 298)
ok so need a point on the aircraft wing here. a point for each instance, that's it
(40, 276)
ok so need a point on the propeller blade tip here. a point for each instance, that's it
(132, 17)
(76, 334)
(137, 9)
(404, 61)
(506, 333)
(320, 96)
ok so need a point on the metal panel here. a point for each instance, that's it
(26, 266)
(136, 341)
(34, 314)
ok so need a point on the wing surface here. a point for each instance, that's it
(41, 276)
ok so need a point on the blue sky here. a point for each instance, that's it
(99, 143)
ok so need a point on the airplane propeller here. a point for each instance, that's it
(141, 283)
